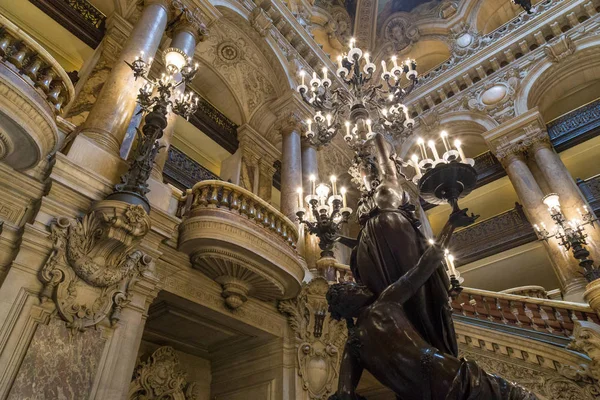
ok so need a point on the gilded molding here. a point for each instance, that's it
(319, 338)
(94, 264)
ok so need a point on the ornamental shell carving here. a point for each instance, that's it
(93, 262)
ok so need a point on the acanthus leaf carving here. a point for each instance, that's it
(319, 338)
(93, 262)
(586, 339)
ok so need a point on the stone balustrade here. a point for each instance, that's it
(34, 89)
(35, 65)
(551, 317)
(240, 241)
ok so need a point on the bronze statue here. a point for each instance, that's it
(384, 341)
(390, 243)
(403, 334)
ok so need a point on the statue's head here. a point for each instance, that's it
(347, 299)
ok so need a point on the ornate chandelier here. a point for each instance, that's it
(327, 211)
(368, 103)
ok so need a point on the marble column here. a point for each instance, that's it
(530, 196)
(185, 37)
(97, 147)
(562, 183)
(291, 165)
(310, 167)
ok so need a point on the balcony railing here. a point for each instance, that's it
(591, 190)
(575, 127)
(77, 16)
(35, 88)
(215, 125)
(549, 317)
(183, 172)
(491, 236)
(240, 241)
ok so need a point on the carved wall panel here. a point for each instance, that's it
(319, 339)
(160, 378)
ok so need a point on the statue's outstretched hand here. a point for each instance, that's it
(461, 218)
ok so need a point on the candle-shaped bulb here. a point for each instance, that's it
(395, 61)
(309, 123)
(431, 241)
(333, 180)
(313, 179)
(457, 144)
(369, 122)
(328, 116)
(352, 42)
(299, 191)
(347, 123)
(150, 60)
(444, 136)
(384, 112)
(324, 72)
(384, 66)
(343, 192)
(431, 145)
(314, 75)
(339, 59)
(367, 56)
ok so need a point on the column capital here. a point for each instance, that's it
(509, 152)
(290, 121)
(188, 18)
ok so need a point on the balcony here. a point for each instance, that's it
(34, 88)
(542, 319)
(240, 241)
(183, 172)
(492, 236)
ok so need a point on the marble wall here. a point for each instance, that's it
(59, 364)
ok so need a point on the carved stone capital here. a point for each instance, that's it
(188, 18)
(160, 377)
(319, 338)
(586, 339)
(510, 152)
(290, 121)
(89, 273)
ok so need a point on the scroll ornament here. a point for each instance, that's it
(319, 339)
(93, 264)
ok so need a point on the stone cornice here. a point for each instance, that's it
(463, 69)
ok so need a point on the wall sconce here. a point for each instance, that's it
(570, 234)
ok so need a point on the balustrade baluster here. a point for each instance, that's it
(490, 317)
(529, 314)
(235, 201)
(202, 199)
(244, 208)
(213, 197)
(225, 202)
(544, 318)
(515, 311)
(252, 211)
(501, 310)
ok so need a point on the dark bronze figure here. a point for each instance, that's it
(403, 334)
(384, 341)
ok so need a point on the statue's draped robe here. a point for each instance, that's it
(390, 243)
